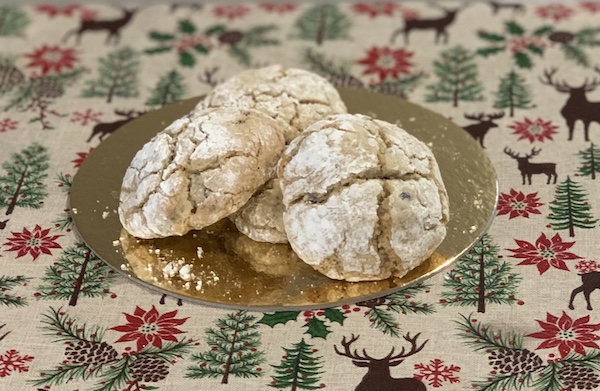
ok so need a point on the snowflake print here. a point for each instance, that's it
(556, 12)
(590, 6)
(375, 9)
(386, 63)
(150, 327)
(537, 130)
(544, 253)
(85, 117)
(566, 334)
(11, 361)
(230, 12)
(81, 156)
(280, 8)
(51, 58)
(584, 267)
(436, 373)
(7, 124)
(34, 242)
(517, 204)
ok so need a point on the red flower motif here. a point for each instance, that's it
(518, 204)
(51, 58)
(386, 62)
(52, 10)
(584, 266)
(8, 124)
(375, 9)
(149, 327)
(81, 158)
(537, 130)
(555, 12)
(280, 8)
(231, 11)
(566, 334)
(32, 242)
(590, 6)
(545, 253)
(87, 116)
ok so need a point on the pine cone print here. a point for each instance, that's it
(149, 369)
(93, 353)
(49, 88)
(372, 303)
(515, 361)
(10, 76)
(577, 376)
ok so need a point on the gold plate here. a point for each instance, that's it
(233, 271)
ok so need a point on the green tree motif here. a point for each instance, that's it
(10, 75)
(22, 185)
(13, 21)
(64, 221)
(479, 277)
(7, 283)
(322, 22)
(234, 350)
(513, 93)
(457, 78)
(77, 272)
(570, 208)
(118, 76)
(300, 368)
(170, 88)
(590, 161)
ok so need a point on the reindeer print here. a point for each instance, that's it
(528, 169)
(480, 129)
(589, 283)
(104, 129)
(438, 24)
(112, 26)
(378, 377)
(577, 107)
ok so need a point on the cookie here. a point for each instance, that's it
(364, 200)
(200, 169)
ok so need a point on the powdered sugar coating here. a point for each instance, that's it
(364, 199)
(200, 169)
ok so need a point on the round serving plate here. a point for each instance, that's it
(221, 267)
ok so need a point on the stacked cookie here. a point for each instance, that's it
(274, 150)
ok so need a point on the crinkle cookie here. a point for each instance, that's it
(200, 169)
(294, 97)
(261, 219)
(364, 199)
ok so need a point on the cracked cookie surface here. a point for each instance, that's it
(364, 200)
(200, 169)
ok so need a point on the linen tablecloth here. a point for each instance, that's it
(510, 314)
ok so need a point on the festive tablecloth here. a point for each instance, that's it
(513, 313)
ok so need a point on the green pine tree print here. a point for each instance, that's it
(10, 75)
(118, 76)
(170, 88)
(64, 221)
(7, 283)
(513, 93)
(300, 368)
(480, 277)
(234, 350)
(322, 22)
(570, 208)
(13, 21)
(590, 161)
(78, 272)
(457, 78)
(23, 185)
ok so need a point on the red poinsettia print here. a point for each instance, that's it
(230, 12)
(51, 58)
(280, 8)
(7, 124)
(150, 327)
(81, 156)
(566, 334)
(544, 253)
(375, 9)
(518, 204)
(555, 12)
(590, 6)
(35, 242)
(386, 62)
(13, 362)
(537, 130)
(587, 266)
(85, 117)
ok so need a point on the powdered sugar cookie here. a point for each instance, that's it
(364, 199)
(200, 169)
